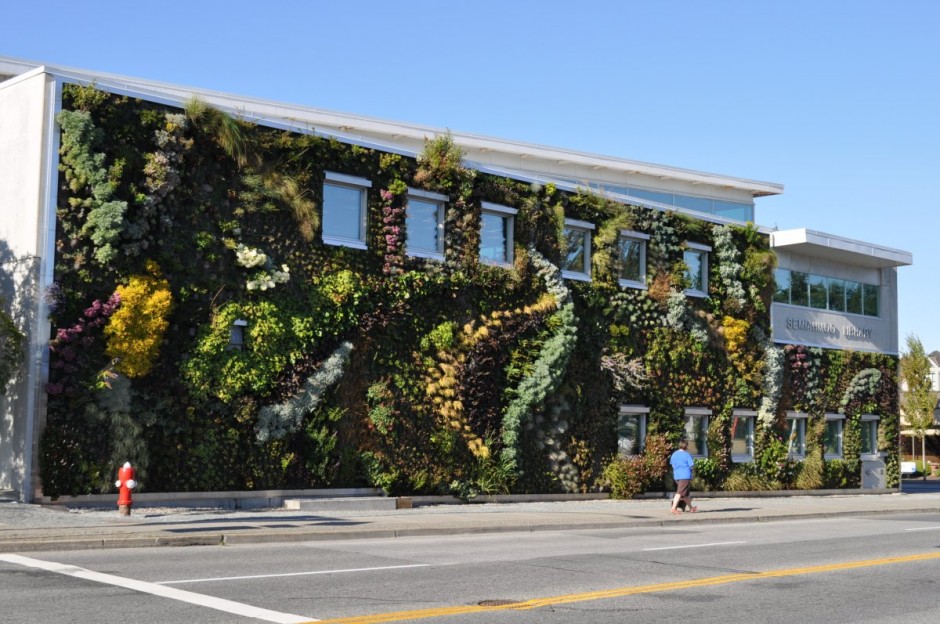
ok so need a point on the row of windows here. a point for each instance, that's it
(728, 209)
(344, 223)
(631, 433)
(825, 293)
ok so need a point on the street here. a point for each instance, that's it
(850, 569)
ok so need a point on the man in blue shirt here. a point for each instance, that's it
(682, 472)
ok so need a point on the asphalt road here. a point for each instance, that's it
(882, 569)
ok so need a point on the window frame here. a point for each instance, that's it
(509, 215)
(749, 417)
(842, 295)
(840, 436)
(701, 415)
(586, 229)
(782, 295)
(362, 185)
(866, 423)
(641, 413)
(429, 198)
(641, 239)
(800, 418)
(703, 251)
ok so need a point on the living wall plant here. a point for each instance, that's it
(205, 329)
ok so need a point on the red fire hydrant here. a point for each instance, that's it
(125, 482)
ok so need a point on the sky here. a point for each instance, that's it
(835, 99)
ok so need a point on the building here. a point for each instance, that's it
(241, 294)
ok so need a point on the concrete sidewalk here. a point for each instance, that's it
(25, 528)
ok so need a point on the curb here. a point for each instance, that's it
(223, 538)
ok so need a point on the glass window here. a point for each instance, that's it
(782, 278)
(496, 232)
(344, 210)
(742, 436)
(869, 434)
(836, 294)
(796, 436)
(818, 297)
(696, 262)
(732, 210)
(655, 196)
(631, 250)
(832, 436)
(853, 297)
(577, 261)
(870, 297)
(696, 430)
(631, 430)
(424, 223)
(699, 204)
(799, 288)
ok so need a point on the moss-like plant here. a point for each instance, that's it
(548, 368)
(279, 420)
(86, 172)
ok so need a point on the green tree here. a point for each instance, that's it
(918, 400)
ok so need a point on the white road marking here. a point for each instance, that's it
(694, 546)
(262, 576)
(218, 604)
(933, 528)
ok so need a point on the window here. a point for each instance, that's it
(825, 293)
(696, 430)
(344, 210)
(796, 440)
(799, 288)
(496, 232)
(631, 429)
(742, 435)
(782, 278)
(832, 436)
(424, 224)
(631, 256)
(696, 274)
(836, 294)
(870, 300)
(853, 297)
(577, 261)
(869, 434)
(818, 298)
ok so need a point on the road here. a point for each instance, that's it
(883, 569)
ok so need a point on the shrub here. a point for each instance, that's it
(135, 331)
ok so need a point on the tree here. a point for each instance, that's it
(919, 400)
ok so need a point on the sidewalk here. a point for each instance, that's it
(26, 528)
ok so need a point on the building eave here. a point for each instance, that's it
(831, 247)
(400, 137)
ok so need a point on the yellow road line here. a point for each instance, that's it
(536, 603)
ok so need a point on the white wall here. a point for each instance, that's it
(24, 194)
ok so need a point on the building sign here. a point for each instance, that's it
(848, 331)
(821, 328)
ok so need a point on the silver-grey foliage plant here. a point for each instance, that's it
(277, 421)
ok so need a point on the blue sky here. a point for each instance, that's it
(837, 99)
